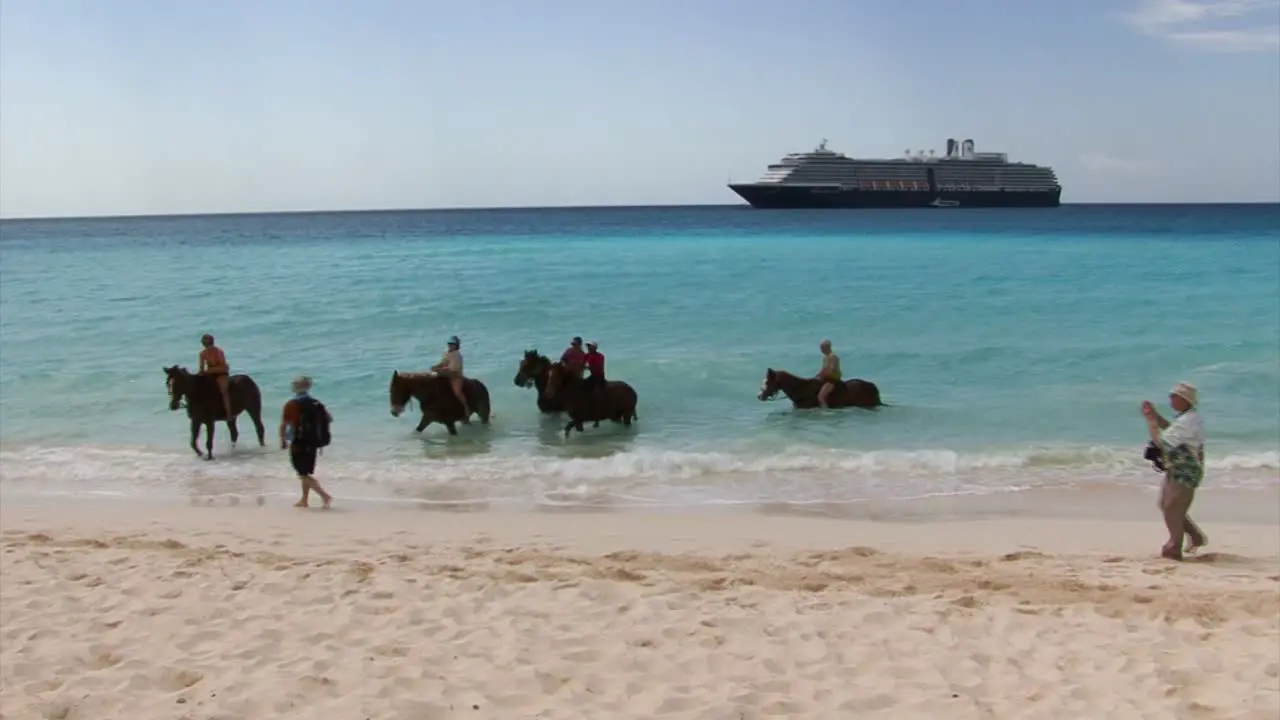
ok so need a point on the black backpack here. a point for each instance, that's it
(313, 423)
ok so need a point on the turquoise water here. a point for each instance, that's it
(1014, 347)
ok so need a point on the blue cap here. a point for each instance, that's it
(453, 340)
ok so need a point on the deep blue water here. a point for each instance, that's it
(1014, 346)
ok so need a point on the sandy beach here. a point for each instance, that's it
(141, 611)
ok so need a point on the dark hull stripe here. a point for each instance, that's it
(783, 197)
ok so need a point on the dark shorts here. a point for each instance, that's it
(303, 459)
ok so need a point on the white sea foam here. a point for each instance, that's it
(644, 477)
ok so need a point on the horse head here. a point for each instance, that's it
(399, 393)
(531, 366)
(176, 379)
(555, 376)
(771, 384)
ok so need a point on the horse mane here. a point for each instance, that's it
(783, 374)
(418, 375)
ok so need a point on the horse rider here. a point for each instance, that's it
(573, 358)
(450, 366)
(213, 363)
(829, 374)
(593, 361)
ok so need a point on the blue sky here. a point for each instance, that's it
(139, 107)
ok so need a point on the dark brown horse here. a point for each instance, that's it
(533, 370)
(205, 406)
(436, 399)
(803, 391)
(617, 401)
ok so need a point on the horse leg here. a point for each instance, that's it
(569, 427)
(195, 436)
(256, 417)
(453, 427)
(423, 423)
(235, 431)
(208, 440)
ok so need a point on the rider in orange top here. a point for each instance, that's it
(213, 362)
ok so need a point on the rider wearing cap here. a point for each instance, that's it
(573, 357)
(594, 363)
(450, 366)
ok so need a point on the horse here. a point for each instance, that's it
(205, 406)
(533, 371)
(803, 392)
(436, 399)
(583, 405)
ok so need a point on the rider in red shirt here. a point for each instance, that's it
(594, 361)
(572, 358)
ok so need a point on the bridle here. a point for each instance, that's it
(181, 404)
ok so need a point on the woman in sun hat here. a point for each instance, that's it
(1181, 444)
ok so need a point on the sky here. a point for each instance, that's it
(157, 107)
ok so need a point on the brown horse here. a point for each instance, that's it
(533, 370)
(436, 399)
(205, 406)
(617, 402)
(803, 392)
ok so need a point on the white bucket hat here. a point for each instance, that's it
(1186, 391)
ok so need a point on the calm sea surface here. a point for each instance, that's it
(1013, 346)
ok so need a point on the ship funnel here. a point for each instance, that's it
(951, 147)
(968, 148)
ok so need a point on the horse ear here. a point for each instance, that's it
(395, 374)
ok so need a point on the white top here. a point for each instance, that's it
(1185, 429)
(452, 360)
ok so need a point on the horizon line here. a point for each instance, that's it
(508, 208)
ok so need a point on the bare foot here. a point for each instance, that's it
(1194, 547)
(328, 503)
(301, 504)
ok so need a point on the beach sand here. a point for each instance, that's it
(141, 611)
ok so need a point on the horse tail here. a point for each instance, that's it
(635, 402)
(253, 396)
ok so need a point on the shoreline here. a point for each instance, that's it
(590, 529)
(144, 610)
(1089, 502)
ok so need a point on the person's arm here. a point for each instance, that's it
(286, 421)
(1149, 410)
(201, 363)
(1153, 429)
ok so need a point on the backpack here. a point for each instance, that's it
(313, 423)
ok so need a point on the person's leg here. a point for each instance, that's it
(224, 387)
(455, 382)
(1174, 501)
(325, 497)
(298, 460)
(1196, 538)
(823, 393)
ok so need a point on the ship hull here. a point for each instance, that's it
(796, 197)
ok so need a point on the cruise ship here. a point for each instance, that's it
(961, 178)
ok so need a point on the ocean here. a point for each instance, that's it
(1013, 348)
